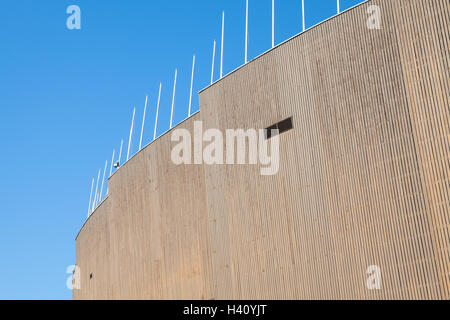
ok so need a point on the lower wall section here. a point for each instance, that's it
(149, 239)
(363, 180)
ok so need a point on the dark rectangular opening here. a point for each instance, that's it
(282, 126)
(285, 125)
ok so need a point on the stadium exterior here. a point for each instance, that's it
(363, 182)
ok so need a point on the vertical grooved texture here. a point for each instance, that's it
(363, 180)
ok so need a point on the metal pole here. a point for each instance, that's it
(273, 23)
(112, 162)
(213, 58)
(143, 122)
(173, 97)
(246, 30)
(120, 154)
(157, 111)
(192, 84)
(338, 7)
(131, 132)
(96, 191)
(221, 47)
(303, 15)
(90, 197)
(103, 181)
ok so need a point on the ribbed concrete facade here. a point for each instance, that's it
(364, 177)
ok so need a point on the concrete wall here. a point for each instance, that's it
(363, 179)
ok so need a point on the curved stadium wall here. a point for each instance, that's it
(363, 178)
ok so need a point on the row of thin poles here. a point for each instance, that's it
(273, 27)
(96, 198)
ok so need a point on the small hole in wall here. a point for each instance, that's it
(91, 276)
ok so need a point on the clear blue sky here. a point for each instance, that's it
(66, 99)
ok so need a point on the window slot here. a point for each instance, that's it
(282, 126)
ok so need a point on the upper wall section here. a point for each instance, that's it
(364, 175)
(363, 178)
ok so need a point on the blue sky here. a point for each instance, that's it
(66, 99)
